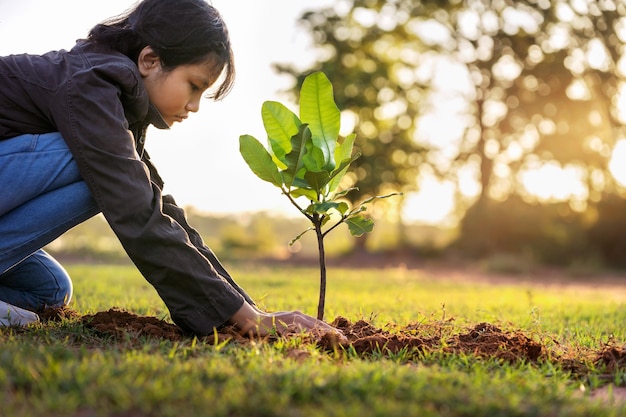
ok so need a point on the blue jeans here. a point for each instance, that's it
(42, 195)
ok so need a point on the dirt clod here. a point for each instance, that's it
(487, 340)
(57, 314)
(612, 357)
(116, 323)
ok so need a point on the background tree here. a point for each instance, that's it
(544, 78)
(520, 85)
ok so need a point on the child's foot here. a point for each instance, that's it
(13, 316)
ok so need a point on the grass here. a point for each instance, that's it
(64, 369)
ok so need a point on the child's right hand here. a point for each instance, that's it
(252, 321)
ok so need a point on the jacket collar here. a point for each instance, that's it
(154, 118)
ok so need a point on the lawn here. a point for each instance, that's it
(65, 368)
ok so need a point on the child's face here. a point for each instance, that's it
(177, 92)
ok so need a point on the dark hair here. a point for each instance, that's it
(181, 32)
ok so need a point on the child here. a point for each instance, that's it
(72, 134)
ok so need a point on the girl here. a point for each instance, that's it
(72, 134)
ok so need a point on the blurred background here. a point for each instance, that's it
(502, 123)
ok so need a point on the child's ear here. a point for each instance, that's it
(148, 61)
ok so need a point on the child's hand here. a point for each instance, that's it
(252, 321)
(285, 322)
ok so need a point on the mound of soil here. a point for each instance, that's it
(121, 324)
(483, 340)
(613, 357)
(118, 323)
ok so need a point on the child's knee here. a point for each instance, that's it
(63, 295)
(36, 283)
(59, 289)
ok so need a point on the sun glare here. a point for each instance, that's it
(617, 164)
(551, 182)
(433, 204)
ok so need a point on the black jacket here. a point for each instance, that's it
(96, 99)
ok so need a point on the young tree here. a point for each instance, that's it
(307, 158)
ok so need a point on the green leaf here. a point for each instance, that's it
(311, 195)
(344, 150)
(300, 183)
(344, 192)
(325, 207)
(319, 111)
(356, 210)
(343, 153)
(314, 159)
(342, 208)
(280, 124)
(340, 172)
(259, 160)
(317, 180)
(359, 225)
(293, 159)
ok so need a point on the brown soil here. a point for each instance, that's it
(483, 340)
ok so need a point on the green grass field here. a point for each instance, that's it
(65, 369)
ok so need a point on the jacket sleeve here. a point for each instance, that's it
(95, 128)
(177, 213)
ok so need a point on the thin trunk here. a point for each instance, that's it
(483, 227)
(322, 256)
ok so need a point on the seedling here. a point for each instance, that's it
(307, 158)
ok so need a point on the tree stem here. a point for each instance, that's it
(322, 258)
